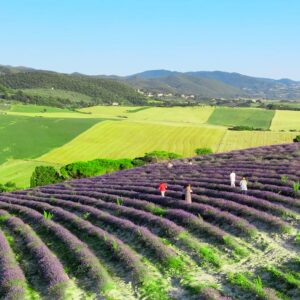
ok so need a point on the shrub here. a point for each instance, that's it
(47, 215)
(8, 187)
(94, 167)
(203, 151)
(44, 175)
(296, 186)
(245, 128)
(284, 178)
(137, 162)
(297, 139)
(158, 156)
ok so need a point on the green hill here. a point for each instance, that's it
(100, 91)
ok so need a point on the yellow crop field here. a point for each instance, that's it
(240, 140)
(117, 139)
(184, 115)
(286, 120)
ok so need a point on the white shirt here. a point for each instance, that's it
(232, 176)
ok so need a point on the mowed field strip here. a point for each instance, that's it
(131, 139)
(182, 115)
(248, 139)
(286, 120)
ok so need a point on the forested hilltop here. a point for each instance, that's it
(22, 86)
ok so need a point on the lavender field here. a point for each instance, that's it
(115, 237)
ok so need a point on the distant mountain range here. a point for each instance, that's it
(215, 84)
(202, 84)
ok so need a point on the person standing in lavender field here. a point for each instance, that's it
(187, 195)
(170, 165)
(232, 178)
(243, 185)
(163, 188)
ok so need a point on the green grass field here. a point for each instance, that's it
(130, 139)
(29, 108)
(67, 114)
(286, 120)
(253, 117)
(26, 137)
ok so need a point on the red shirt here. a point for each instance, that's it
(162, 187)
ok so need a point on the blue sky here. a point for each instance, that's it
(257, 37)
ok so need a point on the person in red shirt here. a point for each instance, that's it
(162, 188)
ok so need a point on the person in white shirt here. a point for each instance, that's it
(243, 185)
(232, 179)
(170, 165)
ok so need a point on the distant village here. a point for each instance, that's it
(165, 95)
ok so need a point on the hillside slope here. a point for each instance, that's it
(99, 234)
(204, 84)
(183, 84)
(99, 90)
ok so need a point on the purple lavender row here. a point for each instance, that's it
(167, 229)
(143, 217)
(84, 257)
(142, 234)
(129, 259)
(216, 176)
(247, 200)
(261, 169)
(229, 193)
(128, 205)
(12, 280)
(288, 191)
(258, 199)
(258, 196)
(235, 208)
(207, 212)
(70, 218)
(223, 170)
(222, 178)
(268, 185)
(49, 267)
(216, 191)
